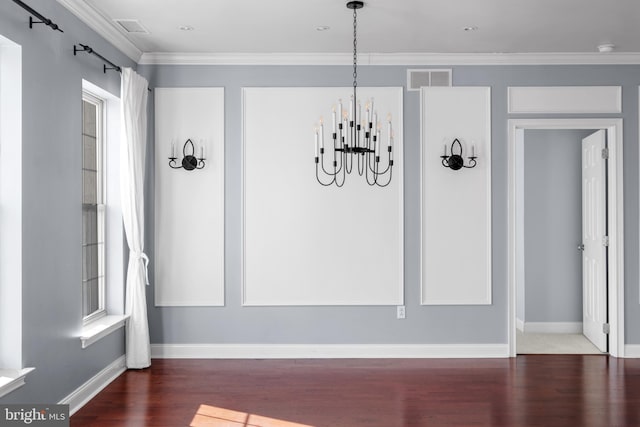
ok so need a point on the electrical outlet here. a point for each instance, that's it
(401, 312)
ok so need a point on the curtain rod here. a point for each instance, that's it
(43, 20)
(88, 49)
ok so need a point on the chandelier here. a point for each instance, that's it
(355, 138)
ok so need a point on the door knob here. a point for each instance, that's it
(581, 247)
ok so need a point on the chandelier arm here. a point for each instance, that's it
(337, 154)
(322, 164)
(384, 172)
(333, 179)
(348, 161)
(372, 162)
(336, 171)
(344, 178)
(389, 164)
(389, 181)
(376, 165)
(374, 175)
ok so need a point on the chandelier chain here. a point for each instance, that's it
(355, 48)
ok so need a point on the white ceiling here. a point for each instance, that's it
(384, 26)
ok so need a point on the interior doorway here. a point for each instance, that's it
(560, 214)
(614, 293)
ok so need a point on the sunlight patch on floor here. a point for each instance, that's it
(211, 416)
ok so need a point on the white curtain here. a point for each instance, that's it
(132, 161)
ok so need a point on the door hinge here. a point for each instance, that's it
(605, 241)
(605, 153)
(605, 328)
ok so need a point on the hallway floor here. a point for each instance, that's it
(535, 343)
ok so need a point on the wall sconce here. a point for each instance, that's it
(189, 161)
(455, 161)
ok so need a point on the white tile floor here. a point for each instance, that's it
(533, 343)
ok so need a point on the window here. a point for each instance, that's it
(93, 208)
(102, 231)
(12, 370)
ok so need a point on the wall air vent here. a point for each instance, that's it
(428, 77)
(131, 26)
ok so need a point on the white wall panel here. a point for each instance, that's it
(305, 244)
(456, 205)
(565, 99)
(189, 205)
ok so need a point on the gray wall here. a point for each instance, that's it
(51, 194)
(553, 225)
(424, 324)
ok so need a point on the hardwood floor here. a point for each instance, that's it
(538, 390)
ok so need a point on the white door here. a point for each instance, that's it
(594, 254)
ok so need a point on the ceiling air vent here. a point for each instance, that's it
(131, 26)
(432, 77)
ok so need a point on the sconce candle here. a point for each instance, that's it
(455, 161)
(189, 161)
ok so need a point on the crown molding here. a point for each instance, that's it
(275, 58)
(413, 59)
(102, 26)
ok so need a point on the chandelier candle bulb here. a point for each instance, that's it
(473, 151)
(316, 141)
(173, 149)
(351, 109)
(321, 134)
(333, 119)
(345, 119)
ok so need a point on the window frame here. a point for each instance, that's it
(101, 191)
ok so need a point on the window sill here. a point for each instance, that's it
(100, 328)
(11, 379)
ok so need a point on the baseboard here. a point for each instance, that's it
(87, 391)
(520, 325)
(327, 351)
(632, 351)
(553, 327)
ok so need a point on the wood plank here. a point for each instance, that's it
(540, 390)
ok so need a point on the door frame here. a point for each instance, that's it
(615, 199)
